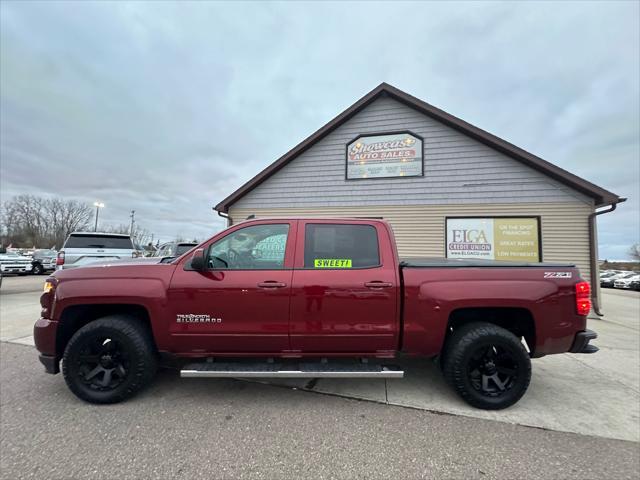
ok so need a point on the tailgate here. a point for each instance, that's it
(79, 256)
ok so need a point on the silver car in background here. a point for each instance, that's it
(608, 282)
(83, 248)
(625, 282)
(11, 262)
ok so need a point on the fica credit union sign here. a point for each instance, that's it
(498, 238)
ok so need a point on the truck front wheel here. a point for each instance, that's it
(487, 366)
(109, 360)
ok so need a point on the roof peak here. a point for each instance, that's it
(600, 195)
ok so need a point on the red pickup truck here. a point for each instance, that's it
(309, 298)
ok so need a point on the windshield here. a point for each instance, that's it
(99, 241)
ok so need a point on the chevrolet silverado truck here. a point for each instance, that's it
(311, 298)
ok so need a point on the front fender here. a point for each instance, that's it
(148, 293)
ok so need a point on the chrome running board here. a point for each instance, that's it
(300, 370)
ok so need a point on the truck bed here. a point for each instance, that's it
(459, 263)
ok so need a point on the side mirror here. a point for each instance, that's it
(197, 260)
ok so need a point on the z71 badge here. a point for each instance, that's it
(557, 274)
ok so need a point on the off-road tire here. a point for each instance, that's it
(135, 341)
(460, 349)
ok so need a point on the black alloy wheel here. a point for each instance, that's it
(487, 365)
(492, 370)
(103, 363)
(110, 359)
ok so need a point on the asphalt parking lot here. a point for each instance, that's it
(234, 428)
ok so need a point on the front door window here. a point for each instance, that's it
(259, 247)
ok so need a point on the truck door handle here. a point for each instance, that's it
(271, 284)
(378, 284)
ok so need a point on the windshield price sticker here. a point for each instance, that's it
(332, 263)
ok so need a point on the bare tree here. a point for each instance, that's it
(634, 252)
(120, 228)
(141, 236)
(67, 216)
(28, 220)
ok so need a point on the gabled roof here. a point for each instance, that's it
(600, 195)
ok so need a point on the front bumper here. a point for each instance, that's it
(44, 336)
(50, 362)
(9, 268)
(581, 342)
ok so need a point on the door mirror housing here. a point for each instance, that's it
(198, 262)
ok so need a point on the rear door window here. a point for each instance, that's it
(337, 246)
(99, 241)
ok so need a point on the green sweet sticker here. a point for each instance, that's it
(332, 263)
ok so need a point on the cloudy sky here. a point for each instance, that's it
(167, 108)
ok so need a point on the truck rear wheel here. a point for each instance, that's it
(487, 366)
(109, 360)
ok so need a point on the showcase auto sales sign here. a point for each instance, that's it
(384, 156)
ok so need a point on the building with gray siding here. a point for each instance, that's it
(447, 187)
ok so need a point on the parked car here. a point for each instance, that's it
(82, 248)
(608, 282)
(11, 262)
(283, 293)
(174, 249)
(625, 282)
(43, 261)
(607, 274)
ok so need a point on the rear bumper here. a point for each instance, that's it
(581, 342)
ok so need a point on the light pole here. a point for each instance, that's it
(133, 213)
(98, 206)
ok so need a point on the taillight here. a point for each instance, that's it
(60, 258)
(583, 302)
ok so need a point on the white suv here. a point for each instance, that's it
(82, 248)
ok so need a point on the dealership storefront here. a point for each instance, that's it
(448, 188)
